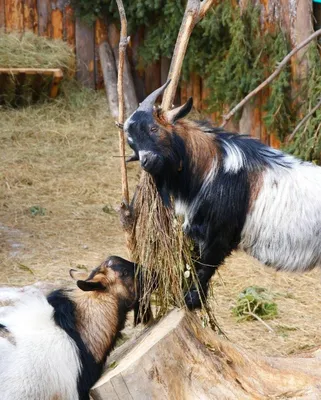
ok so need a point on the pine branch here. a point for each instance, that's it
(280, 67)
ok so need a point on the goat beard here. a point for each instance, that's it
(162, 190)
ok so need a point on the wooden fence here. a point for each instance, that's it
(56, 19)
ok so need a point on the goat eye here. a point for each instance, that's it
(125, 273)
(153, 128)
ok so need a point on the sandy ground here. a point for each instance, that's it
(60, 160)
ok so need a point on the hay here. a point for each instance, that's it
(31, 51)
(166, 255)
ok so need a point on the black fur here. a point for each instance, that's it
(65, 318)
(220, 210)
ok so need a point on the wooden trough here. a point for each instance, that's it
(20, 77)
(178, 359)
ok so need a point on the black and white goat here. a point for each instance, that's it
(54, 347)
(234, 191)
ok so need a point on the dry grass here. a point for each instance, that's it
(59, 157)
(28, 50)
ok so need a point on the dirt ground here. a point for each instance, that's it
(59, 187)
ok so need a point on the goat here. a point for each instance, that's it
(55, 347)
(233, 191)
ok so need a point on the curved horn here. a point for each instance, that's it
(148, 103)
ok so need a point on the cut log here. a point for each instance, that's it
(179, 359)
(110, 76)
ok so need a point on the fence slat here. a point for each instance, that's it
(101, 35)
(85, 53)
(30, 16)
(69, 26)
(56, 22)
(44, 17)
(14, 15)
(2, 15)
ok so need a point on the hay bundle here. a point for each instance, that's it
(166, 255)
(31, 51)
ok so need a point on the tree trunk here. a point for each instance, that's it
(130, 97)
(179, 359)
(110, 76)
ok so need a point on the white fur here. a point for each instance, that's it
(234, 159)
(283, 229)
(181, 208)
(43, 362)
(143, 153)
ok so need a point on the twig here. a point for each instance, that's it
(120, 89)
(259, 319)
(281, 65)
(205, 6)
(302, 122)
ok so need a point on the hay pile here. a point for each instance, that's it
(31, 51)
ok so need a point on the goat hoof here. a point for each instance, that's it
(192, 300)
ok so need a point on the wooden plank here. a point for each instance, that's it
(183, 92)
(44, 71)
(30, 16)
(44, 17)
(138, 70)
(69, 26)
(14, 15)
(152, 77)
(55, 86)
(56, 23)
(2, 15)
(85, 54)
(101, 36)
(196, 90)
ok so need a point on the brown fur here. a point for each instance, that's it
(4, 333)
(97, 311)
(200, 146)
(256, 182)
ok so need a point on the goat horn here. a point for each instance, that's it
(148, 103)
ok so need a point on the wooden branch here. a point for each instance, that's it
(302, 122)
(120, 89)
(281, 65)
(205, 6)
(191, 17)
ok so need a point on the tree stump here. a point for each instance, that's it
(179, 359)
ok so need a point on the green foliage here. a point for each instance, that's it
(253, 301)
(307, 141)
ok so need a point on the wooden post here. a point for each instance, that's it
(85, 53)
(14, 15)
(69, 26)
(30, 16)
(2, 15)
(44, 17)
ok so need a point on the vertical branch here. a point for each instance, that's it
(188, 23)
(120, 89)
(195, 10)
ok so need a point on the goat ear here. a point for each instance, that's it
(90, 286)
(179, 112)
(78, 275)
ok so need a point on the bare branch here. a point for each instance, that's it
(281, 65)
(205, 6)
(120, 89)
(190, 19)
(303, 121)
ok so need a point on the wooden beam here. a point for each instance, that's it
(85, 54)
(30, 16)
(69, 26)
(45, 71)
(2, 15)
(14, 15)
(44, 17)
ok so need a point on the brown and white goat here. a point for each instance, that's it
(55, 347)
(233, 191)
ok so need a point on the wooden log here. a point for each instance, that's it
(178, 359)
(44, 17)
(101, 35)
(85, 53)
(57, 23)
(2, 15)
(14, 15)
(110, 76)
(69, 26)
(30, 16)
(138, 71)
